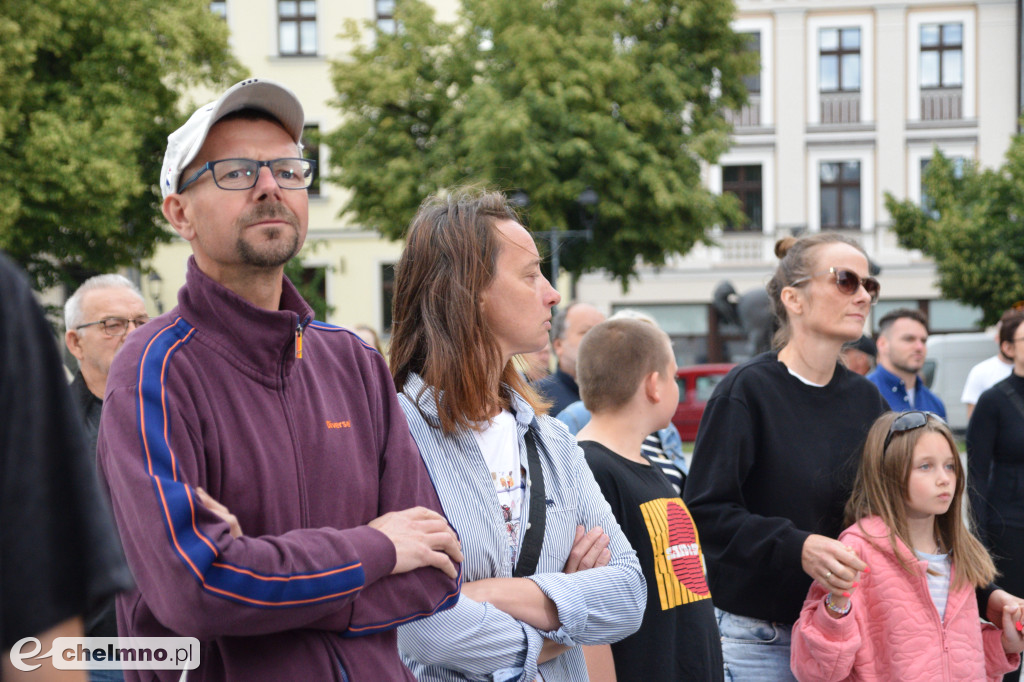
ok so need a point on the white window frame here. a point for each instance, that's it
(765, 27)
(276, 29)
(917, 19)
(866, 157)
(742, 157)
(867, 63)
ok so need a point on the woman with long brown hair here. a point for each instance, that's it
(547, 568)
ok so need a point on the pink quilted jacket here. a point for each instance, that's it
(893, 631)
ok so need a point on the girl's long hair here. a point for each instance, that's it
(880, 489)
(439, 330)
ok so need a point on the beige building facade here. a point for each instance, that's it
(850, 102)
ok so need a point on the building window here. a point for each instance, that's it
(840, 195)
(753, 81)
(386, 16)
(220, 8)
(745, 183)
(927, 203)
(387, 295)
(942, 55)
(313, 285)
(311, 150)
(296, 27)
(839, 59)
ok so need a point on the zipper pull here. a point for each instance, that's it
(298, 342)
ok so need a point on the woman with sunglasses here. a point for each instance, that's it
(995, 460)
(913, 616)
(776, 455)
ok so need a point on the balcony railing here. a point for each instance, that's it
(941, 104)
(747, 117)
(838, 108)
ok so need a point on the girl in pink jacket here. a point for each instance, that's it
(912, 614)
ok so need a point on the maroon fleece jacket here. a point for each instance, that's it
(303, 450)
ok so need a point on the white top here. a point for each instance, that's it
(938, 579)
(499, 445)
(984, 376)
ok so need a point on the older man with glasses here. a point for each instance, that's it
(98, 317)
(270, 498)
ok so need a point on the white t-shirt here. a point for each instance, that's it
(984, 376)
(500, 447)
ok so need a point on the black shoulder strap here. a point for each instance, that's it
(529, 553)
(1014, 397)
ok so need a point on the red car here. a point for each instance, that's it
(696, 382)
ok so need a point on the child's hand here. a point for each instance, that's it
(1013, 637)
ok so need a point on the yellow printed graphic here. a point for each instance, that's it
(678, 564)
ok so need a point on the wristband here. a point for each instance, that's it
(839, 612)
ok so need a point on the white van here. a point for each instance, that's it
(950, 358)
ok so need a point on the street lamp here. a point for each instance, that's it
(587, 202)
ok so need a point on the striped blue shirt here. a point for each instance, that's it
(475, 641)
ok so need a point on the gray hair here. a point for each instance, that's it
(558, 322)
(73, 306)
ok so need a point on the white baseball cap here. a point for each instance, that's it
(185, 142)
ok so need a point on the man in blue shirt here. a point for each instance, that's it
(902, 337)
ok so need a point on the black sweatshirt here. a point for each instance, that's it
(774, 462)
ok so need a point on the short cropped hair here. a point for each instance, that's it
(898, 314)
(614, 357)
(73, 306)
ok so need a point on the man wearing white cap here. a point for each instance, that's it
(269, 496)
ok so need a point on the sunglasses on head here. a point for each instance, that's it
(847, 281)
(908, 421)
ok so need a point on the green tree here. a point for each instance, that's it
(91, 91)
(972, 225)
(549, 97)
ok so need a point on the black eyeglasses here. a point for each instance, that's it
(848, 281)
(239, 174)
(908, 421)
(116, 326)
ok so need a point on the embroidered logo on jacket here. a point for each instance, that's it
(339, 425)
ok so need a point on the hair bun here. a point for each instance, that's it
(783, 246)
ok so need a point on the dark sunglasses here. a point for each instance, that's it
(848, 281)
(908, 421)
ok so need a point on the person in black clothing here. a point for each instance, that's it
(567, 329)
(995, 464)
(776, 454)
(98, 318)
(59, 555)
(626, 372)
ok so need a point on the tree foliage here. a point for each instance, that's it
(549, 97)
(972, 225)
(91, 91)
